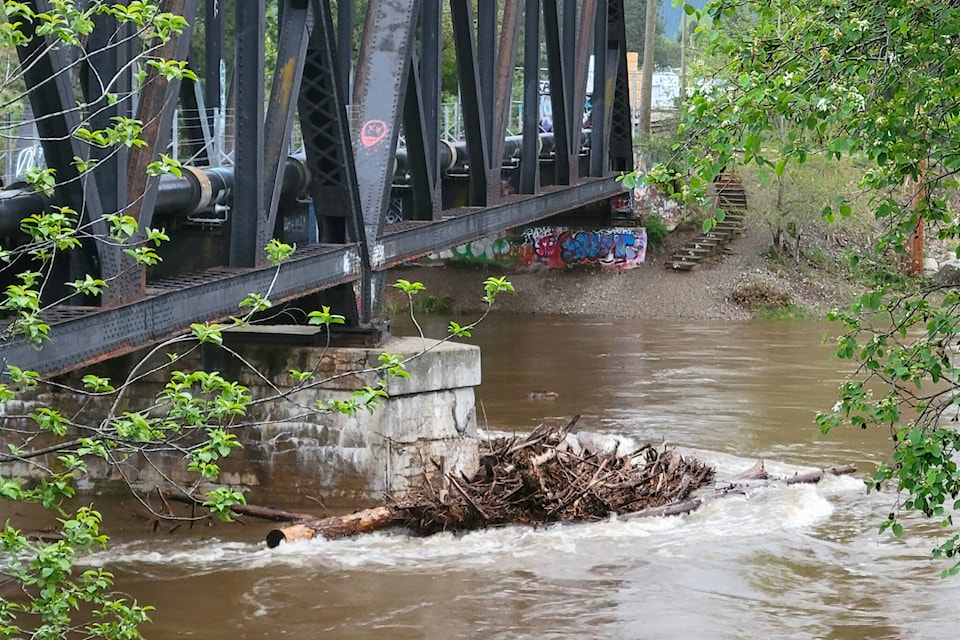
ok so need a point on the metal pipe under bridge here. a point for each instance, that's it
(373, 183)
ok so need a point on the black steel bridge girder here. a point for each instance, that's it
(96, 335)
(569, 38)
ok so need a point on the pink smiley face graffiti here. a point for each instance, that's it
(373, 132)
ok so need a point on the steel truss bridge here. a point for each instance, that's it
(369, 120)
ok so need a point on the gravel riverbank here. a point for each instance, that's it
(648, 292)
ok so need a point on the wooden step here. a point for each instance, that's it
(732, 199)
(727, 227)
(708, 243)
(682, 265)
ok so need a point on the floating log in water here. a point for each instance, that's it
(337, 526)
(812, 477)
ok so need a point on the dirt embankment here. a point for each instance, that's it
(648, 292)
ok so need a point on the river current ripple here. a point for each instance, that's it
(777, 562)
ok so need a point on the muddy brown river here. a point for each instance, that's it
(779, 562)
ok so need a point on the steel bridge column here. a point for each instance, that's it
(379, 87)
(156, 110)
(530, 160)
(105, 72)
(326, 136)
(248, 193)
(471, 97)
(47, 75)
(158, 104)
(345, 43)
(503, 92)
(421, 158)
(581, 60)
(486, 54)
(570, 49)
(621, 122)
(214, 65)
(558, 67)
(281, 111)
(602, 92)
(431, 26)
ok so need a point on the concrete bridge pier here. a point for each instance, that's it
(427, 425)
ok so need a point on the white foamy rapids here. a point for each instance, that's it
(763, 510)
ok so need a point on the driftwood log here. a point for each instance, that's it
(337, 526)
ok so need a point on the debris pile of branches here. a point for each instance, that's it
(551, 476)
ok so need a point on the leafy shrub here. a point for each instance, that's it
(656, 229)
(761, 296)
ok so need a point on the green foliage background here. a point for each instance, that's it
(875, 87)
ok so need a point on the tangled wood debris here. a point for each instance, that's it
(549, 476)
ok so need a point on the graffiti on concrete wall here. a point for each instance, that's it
(648, 199)
(557, 247)
(483, 251)
(620, 248)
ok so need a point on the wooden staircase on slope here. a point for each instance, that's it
(733, 200)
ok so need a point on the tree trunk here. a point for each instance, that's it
(336, 526)
(646, 82)
(812, 477)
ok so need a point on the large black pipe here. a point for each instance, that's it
(199, 188)
(454, 155)
(17, 203)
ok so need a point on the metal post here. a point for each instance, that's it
(599, 134)
(345, 43)
(468, 72)
(213, 61)
(248, 201)
(530, 160)
(557, 69)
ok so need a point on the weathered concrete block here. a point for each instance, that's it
(427, 423)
